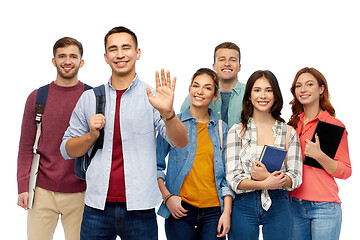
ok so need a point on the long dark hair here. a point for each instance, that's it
(298, 108)
(248, 108)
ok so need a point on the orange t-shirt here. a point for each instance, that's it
(318, 185)
(199, 188)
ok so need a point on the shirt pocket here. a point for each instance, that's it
(140, 118)
(178, 154)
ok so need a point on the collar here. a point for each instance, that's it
(186, 116)
(132, 85)
(236, 89)
(323, 117)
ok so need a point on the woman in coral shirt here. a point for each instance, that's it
(315, 205)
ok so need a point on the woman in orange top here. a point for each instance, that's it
(315, 205)
(197, 200)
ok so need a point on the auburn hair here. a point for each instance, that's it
(297, 107)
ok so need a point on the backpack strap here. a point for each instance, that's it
(100, 98)
(100, 108)
(40, 103)
(86, 87)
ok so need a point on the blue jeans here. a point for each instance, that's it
(115, 220)
(200, 223)
(315, 220)
(248, 214)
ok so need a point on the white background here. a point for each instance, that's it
(281, 36)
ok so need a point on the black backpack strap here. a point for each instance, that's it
(100, 99)
(100, 108)
(86, 87)
(40, 102)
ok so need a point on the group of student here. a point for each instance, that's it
(207, 170)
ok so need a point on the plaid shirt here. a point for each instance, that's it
(240, 154)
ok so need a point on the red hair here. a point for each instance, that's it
(297, 107)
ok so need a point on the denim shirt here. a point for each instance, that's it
(235, 104)
(139, 123)
(181, 160)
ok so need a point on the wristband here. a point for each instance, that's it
(168, 119)
(167, 198)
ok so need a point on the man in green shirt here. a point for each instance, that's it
(228, 105)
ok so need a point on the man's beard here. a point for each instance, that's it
(69, 75)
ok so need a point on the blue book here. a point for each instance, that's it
(272, 158)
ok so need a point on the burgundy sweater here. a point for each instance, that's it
(55, 173)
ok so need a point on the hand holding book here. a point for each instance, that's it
(312, 149)
(259, 171)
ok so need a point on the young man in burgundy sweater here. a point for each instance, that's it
(58, 190)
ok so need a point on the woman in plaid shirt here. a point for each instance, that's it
(261, 196)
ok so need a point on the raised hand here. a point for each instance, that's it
(164, 95)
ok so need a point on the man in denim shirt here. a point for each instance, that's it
(228, 105)
(121, 180)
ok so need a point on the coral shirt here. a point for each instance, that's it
(318, 185)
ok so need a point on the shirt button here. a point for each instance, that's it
(110, 131)
(109, 150)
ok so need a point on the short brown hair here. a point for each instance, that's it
(227, 45)
(67, 41)
(121, 29)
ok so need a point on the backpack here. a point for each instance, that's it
(81, 163)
